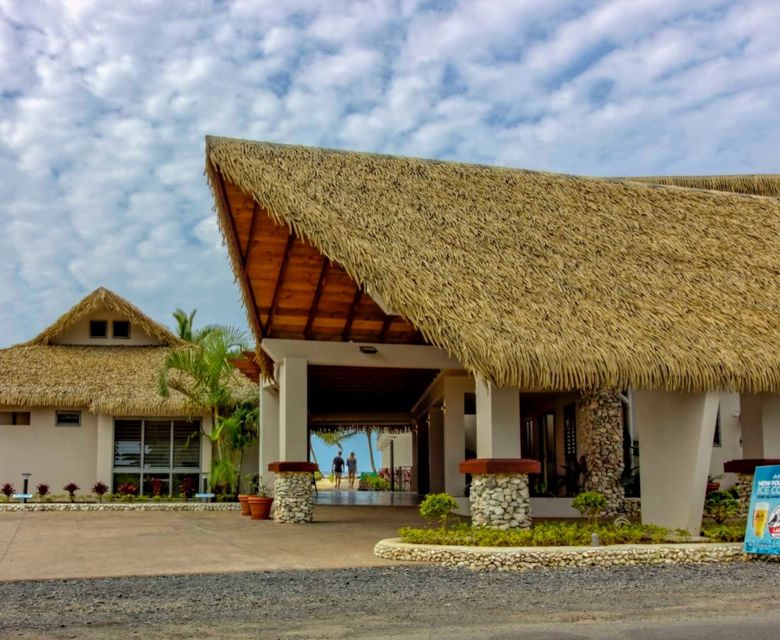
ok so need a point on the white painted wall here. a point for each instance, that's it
(78, 333)
(54, 455)
(402, 449)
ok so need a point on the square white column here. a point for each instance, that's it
(498, 421)
(436, 450)
(105, 449)
(268, 441)
(293, 414)
(454, 434)
(760, 420)
(675, 446)
(206, 450)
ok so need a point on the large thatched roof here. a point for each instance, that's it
(116, 380)
(539, 280)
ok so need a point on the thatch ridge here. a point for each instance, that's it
(538, 280)
(754, 185)
(119, 380)
(105, 298)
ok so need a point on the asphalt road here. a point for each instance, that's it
(409, 602)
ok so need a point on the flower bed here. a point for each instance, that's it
(120, 506)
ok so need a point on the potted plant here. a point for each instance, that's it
(260, 504)
(712, 484)
(243, 498)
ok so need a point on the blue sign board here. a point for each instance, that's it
(763, 525)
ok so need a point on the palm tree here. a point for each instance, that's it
(185, 326)
(369, 431)
(203, 373)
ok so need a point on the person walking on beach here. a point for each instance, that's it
(337, 468)
(352, 469)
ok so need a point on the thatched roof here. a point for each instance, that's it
(116, 380)
(752, 185)
(538, 280)
(102, 298)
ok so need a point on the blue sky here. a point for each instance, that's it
(104, 107)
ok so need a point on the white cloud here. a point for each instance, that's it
(104, 106)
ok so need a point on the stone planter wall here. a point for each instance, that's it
(600, 436)
(293, 500)
(632, 507)
(524, 558)
(121, 506)
(744, 487)
(500, 500)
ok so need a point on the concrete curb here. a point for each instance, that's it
(523, 558)
(121, 506)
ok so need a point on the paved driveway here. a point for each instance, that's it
(96, 544)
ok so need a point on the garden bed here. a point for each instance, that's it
(120, 506)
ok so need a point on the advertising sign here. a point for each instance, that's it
(763, 525)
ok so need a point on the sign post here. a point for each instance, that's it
(762, 535)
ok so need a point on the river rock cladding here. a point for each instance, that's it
(600, 427)
(293, 497)
(500, 500)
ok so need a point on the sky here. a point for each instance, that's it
(104, 107)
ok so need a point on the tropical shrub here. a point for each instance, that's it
(729, 532)
(187, 487)
(42, 490)
(720, 506)
(590, 504)
(127, 490)
(100, 489)
(156, 484)
(371, 482)
(543, 534)
(71, 489)
(438, 506)
(7, 490)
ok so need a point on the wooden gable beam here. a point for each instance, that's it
(385, 328)
(243, 277)
(252, 231)
(316, 301)
(351, 315)
(279, 281)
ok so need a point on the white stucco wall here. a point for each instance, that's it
(78, 333)
(54, 455)
(402, 450)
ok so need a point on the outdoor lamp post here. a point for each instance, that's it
(25, 486)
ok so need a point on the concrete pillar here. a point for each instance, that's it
(268, 442)
(760, 418)
(105, 450)
(293, 417)
(498, 421)
(206, 451)
(454, 435)
(675, 446)
(436, 449)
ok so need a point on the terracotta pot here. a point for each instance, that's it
(260, 507)
(244, 502)
(712, 486)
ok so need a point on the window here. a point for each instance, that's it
(716, 440)
(68, 419)
(14, 418)
(98, 329)
(121, 329)
(157, 454)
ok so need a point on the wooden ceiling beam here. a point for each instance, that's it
(351, 315)
(243, 277)
(316, 301)
(252, 231)
(279, 282)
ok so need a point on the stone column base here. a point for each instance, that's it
(293, 501)
(499, 492)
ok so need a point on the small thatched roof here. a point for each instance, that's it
(752, 185)
(538, 280)
(102, 298)
(116, 380)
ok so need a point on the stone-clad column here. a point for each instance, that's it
(499, 491)
(600, 434)
(293, 500)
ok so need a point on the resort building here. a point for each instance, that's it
(79, 403)
(514, 321)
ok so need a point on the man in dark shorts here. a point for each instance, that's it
(337, 468)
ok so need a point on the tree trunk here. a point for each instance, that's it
(368, 433)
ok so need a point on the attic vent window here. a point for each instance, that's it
(121, 329)
(98, 329)
(69, 418)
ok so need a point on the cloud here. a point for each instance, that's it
(104, 106)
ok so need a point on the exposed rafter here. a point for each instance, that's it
(385, 328)
(251, 239)
(279, 281)
(316, 301)
(351, 315)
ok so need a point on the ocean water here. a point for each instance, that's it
(357, 443)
